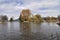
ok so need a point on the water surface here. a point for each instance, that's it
(29, 31)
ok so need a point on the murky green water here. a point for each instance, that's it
(29, 31)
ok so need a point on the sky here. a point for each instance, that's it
(13, 8)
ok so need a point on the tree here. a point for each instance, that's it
(25, 15)
(4, 18)
(38, 18)
(47, 18)
(11, 19)
(59, 17)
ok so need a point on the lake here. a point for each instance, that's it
(29, 31)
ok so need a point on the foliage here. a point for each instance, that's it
(4, 18)
(11, 19)
(37, 18)
(51, 19)
(24, 16)
(59, 17)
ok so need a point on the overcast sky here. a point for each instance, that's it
(12, 8)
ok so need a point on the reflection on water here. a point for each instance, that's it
(26, 30)
(29, 31)
(3, 28)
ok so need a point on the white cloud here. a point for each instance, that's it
(14, 8)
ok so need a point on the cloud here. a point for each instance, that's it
(43, 7)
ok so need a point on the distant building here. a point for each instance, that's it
(25, 14)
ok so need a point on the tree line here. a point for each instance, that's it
(34, 18)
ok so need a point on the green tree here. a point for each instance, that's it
(59, 17)
(4, 18)
(11, 19)
(38, 18)
(48, 19)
